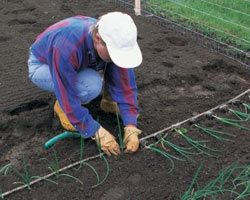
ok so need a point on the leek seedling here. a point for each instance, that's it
(246, 192)
(106, 162)
(183, 151)
(228, 121)
(81, 157)
(247, 107)
(1, 193)
(243, 175)
(213, 187)
(165, 154)
(242, 117)
(81, 152)
(215, 133)
(120, 132)
(54, 167)
(85, 163)
(26, 178)
(107, 172)
(189, 192)
(196, 144)
(243, 179)
(5, 169)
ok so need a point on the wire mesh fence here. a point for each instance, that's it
(220, 25)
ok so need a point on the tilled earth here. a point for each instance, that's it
(177, 80)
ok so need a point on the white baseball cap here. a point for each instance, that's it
(119, 32)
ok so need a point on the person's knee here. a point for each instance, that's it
(95, 87)
(88, 85)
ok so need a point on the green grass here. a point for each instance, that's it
(222, 19)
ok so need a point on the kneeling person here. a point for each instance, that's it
(65, 59)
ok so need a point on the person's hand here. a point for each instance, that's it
(131, 140)
(107, 142)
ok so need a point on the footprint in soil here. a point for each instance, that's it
(35, 104)
(24, 10)
(4, 38)
(15, 1)
(214, 66)
(21, 22)
(167, 64)
(117, 193)
(178, 41)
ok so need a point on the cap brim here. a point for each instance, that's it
(126, 59)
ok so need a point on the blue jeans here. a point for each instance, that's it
(88, 82)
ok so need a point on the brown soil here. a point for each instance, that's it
(177, 79)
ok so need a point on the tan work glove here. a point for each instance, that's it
(131, 140)
(107, 142)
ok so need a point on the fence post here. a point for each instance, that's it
(137, 7)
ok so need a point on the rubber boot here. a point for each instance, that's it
(63, 118)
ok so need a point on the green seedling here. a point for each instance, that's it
(4, 169)
(1, 194)
(243, 180)
(25, 177)
(244, 175)
(242, 116)
(230, 122)
(165, 154)
(189, 192)
(182, 150)
(120, 132)
(85, 163)
(198, 145)
(247, 107)
(106, 162)
(107, 172)
(212, 188)
(81, 153)
(215, 133)
(54, 167)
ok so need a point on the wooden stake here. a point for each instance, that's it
(137, 7)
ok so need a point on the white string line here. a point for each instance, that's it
(224, 32)
(193, 118)
(204, 13)
(227, 8)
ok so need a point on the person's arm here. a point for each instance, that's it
(121, 85)
(64, 78)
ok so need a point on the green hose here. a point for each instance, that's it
(63, 135)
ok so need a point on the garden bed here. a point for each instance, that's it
(177, 80)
